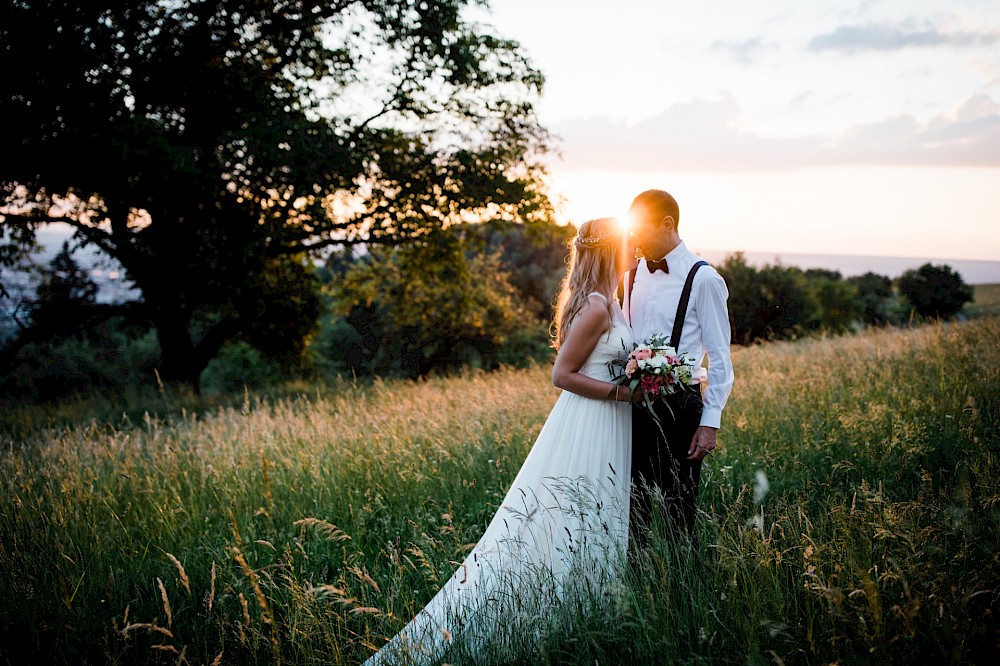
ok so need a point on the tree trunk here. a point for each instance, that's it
(182, 358)
(179, 364)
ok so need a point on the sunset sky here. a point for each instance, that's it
(857, 127)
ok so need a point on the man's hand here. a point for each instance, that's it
(702, 443)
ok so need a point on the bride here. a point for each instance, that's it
(563, 525)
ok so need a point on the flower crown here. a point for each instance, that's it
(591, 241)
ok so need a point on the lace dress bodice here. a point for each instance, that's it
(616, 343)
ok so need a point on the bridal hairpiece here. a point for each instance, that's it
(591, 241)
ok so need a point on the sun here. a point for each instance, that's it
(625, 224)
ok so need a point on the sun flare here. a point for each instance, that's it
(625, 224)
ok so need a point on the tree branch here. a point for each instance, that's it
(25, 220)
(100, 238)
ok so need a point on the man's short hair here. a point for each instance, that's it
(659, 203)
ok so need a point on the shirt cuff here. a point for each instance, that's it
(711, 417)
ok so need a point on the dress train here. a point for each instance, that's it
(561, 529)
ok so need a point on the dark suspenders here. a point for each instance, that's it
(682, 304)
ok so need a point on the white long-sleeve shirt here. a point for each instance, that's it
(652, 308)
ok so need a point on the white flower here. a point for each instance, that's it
(669, 351)
(657, 362)
(760, 487)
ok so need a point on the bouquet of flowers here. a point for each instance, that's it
(656, 369)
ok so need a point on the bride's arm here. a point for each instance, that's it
(587, 328)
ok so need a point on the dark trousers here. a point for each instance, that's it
(660, 468)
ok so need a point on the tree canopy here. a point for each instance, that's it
(212, 148)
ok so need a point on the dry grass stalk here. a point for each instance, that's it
(363, 576)
(254, 582)
(236, 529)
(166, 602)
(150, 627)
(365, 610)
(267, 479)
(180, 568)
(332, 532)
(246, 619)
(211, 594)
(218, 659)
(319, 591)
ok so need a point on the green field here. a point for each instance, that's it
(306, 530)
(987, 300)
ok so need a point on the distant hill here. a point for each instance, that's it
(972, 271)
(115, 289)
(104, 271)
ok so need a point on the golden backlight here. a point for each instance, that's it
(625, 223)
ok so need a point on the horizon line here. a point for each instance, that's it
(840, 254)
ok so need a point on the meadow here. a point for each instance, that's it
(987, 300)
(850, 517)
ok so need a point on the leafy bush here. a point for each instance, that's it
(877, 299)
(426, 307)
(778, 302)
(771, 303)
(834, 306)
(104, 359)
(936, 292)
(238, 366)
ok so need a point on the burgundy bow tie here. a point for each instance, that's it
(660, 265)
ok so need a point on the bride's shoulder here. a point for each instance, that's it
(594, 312)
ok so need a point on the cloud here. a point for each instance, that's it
(967, 136)
(701, 135)
(744, 52)
(873, 37)
(709, 135)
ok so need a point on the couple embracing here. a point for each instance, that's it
(607, 459)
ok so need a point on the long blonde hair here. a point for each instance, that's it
(592, 267)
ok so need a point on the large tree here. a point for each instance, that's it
(206, 145)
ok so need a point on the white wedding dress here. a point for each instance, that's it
(562, 528)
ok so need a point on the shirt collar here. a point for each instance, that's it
(675, 254)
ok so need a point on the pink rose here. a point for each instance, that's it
(631, 368)
(643, 354)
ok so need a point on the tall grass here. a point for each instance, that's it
(850, 516)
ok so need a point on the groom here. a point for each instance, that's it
(674, 292)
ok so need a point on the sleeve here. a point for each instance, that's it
(713, 317)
